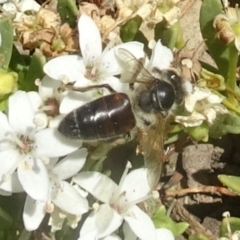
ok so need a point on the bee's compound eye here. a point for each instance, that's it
(163, 96)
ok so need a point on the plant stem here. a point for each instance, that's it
(231, 80)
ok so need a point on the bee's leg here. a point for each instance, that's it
(70, 87)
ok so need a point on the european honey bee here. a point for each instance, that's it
(145, 109)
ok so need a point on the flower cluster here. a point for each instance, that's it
(38, 160)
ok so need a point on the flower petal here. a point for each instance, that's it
(195, 119)
(5, 127)
(19, 103)
(135, 185)
(116, 84)
(74, 100)
(28, 5)
(112, 237)
(9, 159)
(33, 176)
(161, 57)
(164, 233)
(128, 233)
(69, 200)
(49, 88)
(50, 143)
(105, 220)
(12, 184)
(35, 100)
(69, 68)
(71, 164)
(89, 39)
(4, 193)
(33, 213)
(109, 61)
(93, 235)
(99, 185)
(140, 223)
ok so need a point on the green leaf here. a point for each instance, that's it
(35, 71)
(129, 30)
(5, 219)
(160, 220)
(19, 62)
(225, 123)
(6, 32)
(140, 37)
(68, 11)
(199, 133)
(170, 36)
(3, 103)
(25, 235)
(232, 182)
(234, 225)
(218, 50)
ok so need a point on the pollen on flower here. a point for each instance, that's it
(64, 79)
(23, 143)
(49, 207)
(92, 73)
(96, 206)
(155, 194)
(51, 107)
(38, 82)
(25, 165)
(38, 121)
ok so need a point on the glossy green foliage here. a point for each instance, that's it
(6, 42)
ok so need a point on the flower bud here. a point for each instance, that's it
(8, 82)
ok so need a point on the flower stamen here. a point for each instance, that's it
(128, 166)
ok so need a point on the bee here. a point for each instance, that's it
(152, 98)
(145, 109)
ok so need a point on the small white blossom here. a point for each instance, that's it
(161, 57)
(202, 105)
(96, 66)
(23, 147)
(61, 193)
(131, 69)
(48, 101)
(119, 203)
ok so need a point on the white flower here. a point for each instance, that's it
(61, 193)
(93, 68)
(161, 58)
(119, 203)
(17, 8)
(48, 100)
(23, 147)
(202, 105)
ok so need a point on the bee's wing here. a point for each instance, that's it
(133, 69)
(152, 147)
